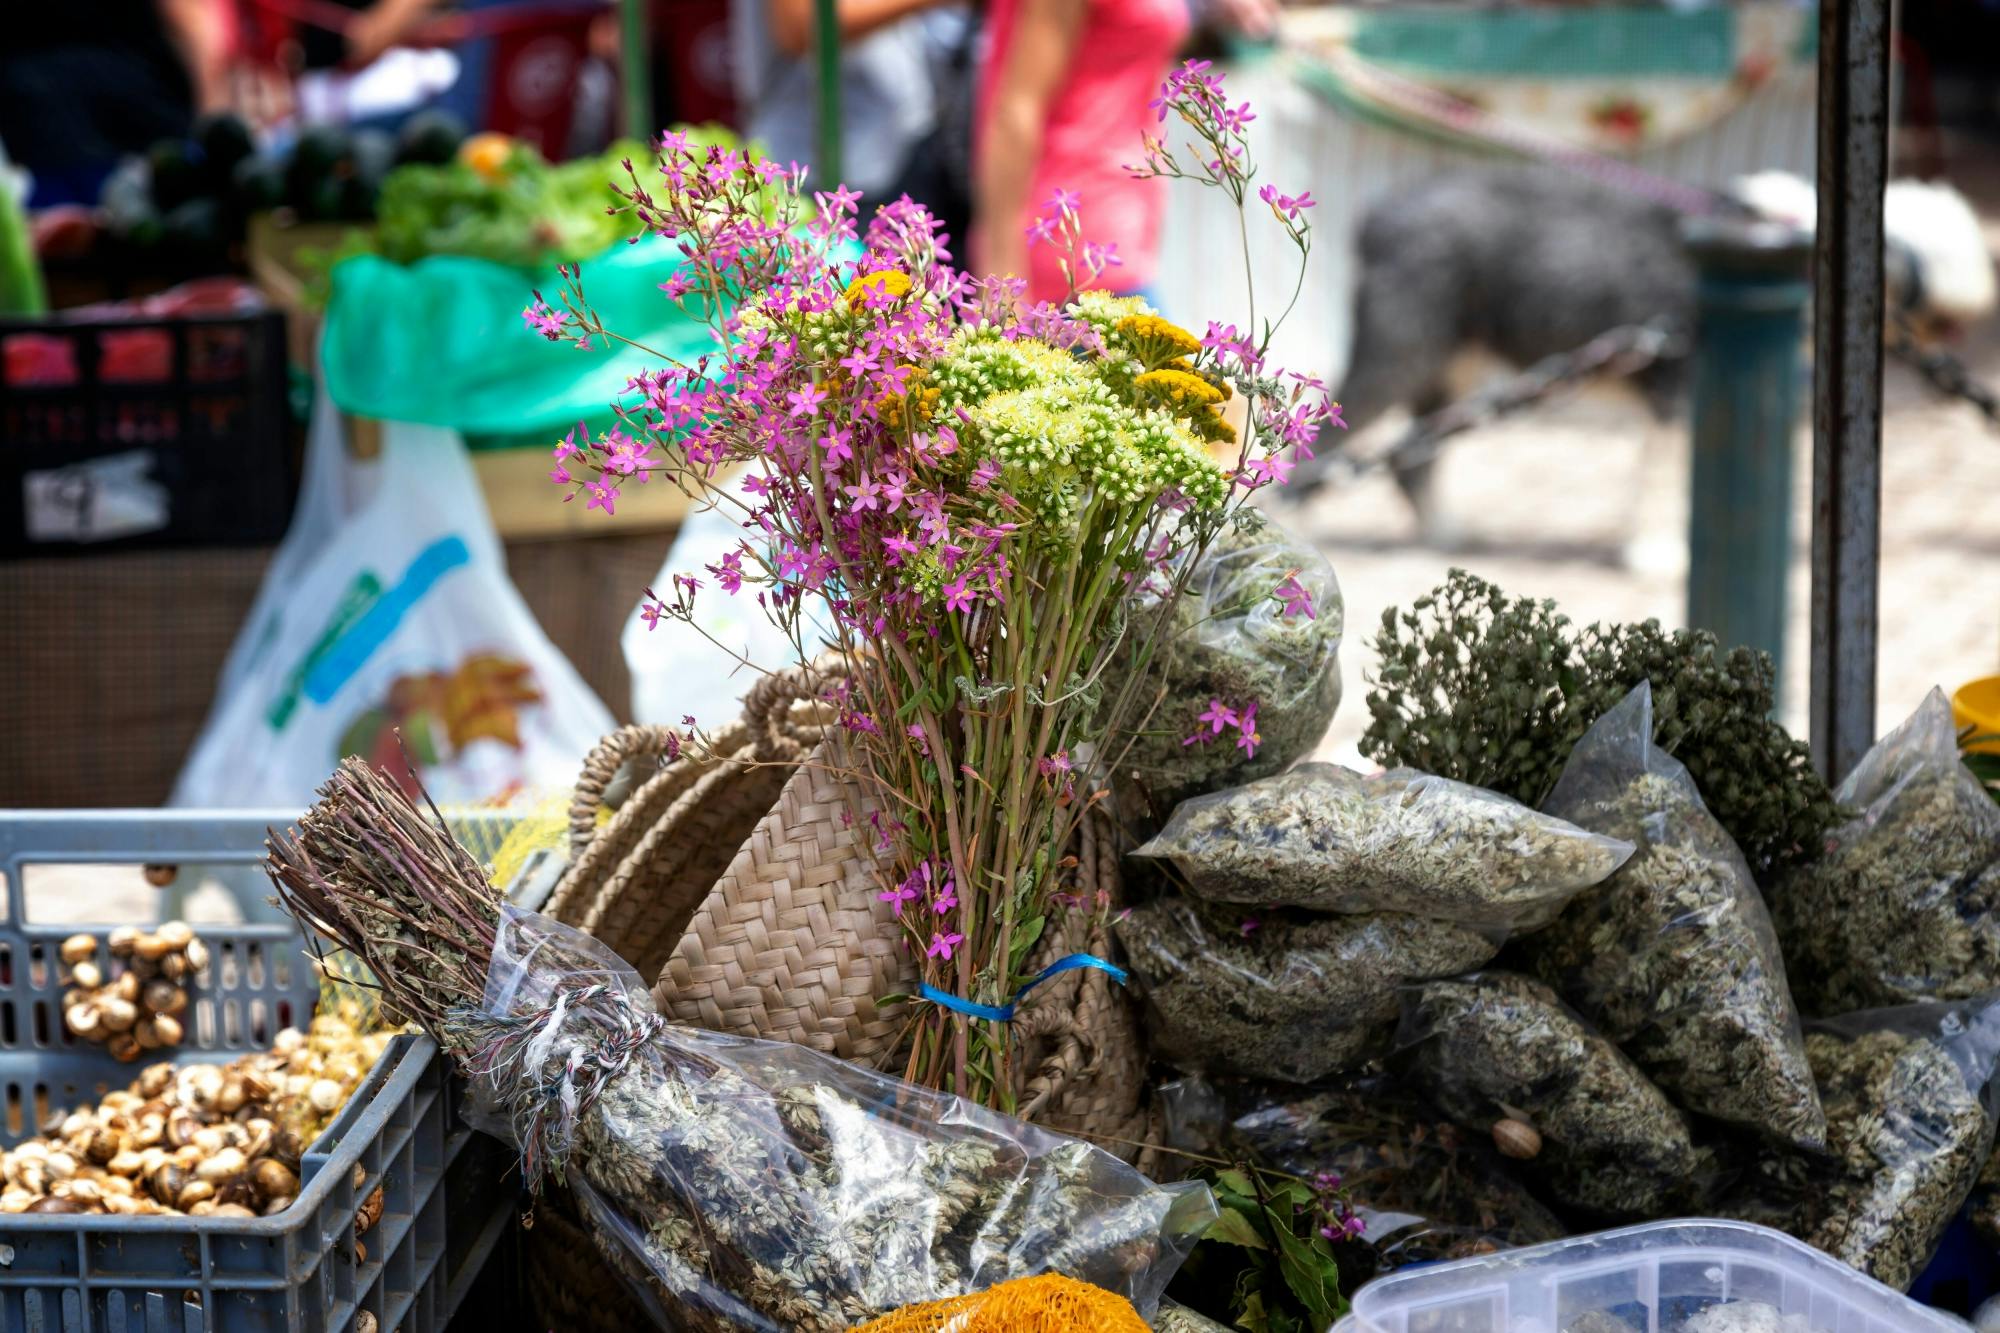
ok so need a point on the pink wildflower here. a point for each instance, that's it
(942, 943)
(896, 897)
(957, 597)
(1294, 597)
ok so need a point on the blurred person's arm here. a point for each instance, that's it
(792, 20)
(382, 25)
(200, 36)
(1044, 39)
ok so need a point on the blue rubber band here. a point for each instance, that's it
(1002, 1013)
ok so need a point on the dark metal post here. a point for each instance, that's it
(1748, 359)
(1847, 376)
(636, 56)
(826, 50)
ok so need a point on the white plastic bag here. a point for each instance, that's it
(392, 629)
(698, 670)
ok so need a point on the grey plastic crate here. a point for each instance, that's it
(447, 1195)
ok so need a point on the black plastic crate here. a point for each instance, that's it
(144, 432)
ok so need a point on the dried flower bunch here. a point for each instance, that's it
(1327, 839)
(751, 1185)
(201, 1139)
(1909, 1128)
(1283, 996)
(1905, 904)
(1496, 691)
(137, 1002)
(1234, 660)
(1673, 957)
(1174, 1318)
(966, 487)
(1495, 1046)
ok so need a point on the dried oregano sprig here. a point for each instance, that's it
(1495, 691)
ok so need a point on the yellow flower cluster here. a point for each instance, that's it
(1155, 341)
(896, 284)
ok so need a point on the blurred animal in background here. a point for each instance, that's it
(1529, 263)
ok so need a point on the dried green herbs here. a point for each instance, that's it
(1496, 691)
(1909, 1128)
(1498, 1046)
(1231, 640)
(1673, 957)
(1174, 1318)
(1324, 838)
(1426, 1189)
(1905, 904)
(1280, 995)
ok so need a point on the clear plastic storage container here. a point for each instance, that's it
(1649, 1279)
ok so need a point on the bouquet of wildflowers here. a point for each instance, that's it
(970, 490)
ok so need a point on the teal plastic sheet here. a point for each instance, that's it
(441, 342)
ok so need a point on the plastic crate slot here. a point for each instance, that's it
(39, 972)
(204, 1022)
(232, 1025)
(6, 949)
(16, 1114)
(9, 1036)
(286, 1018)
(40, 1009)
(227, 974)
(261, 1031)
(253, 964)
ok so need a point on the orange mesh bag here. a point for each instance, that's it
(1046, 1303)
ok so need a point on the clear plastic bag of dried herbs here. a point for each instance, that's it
(1231, 642)
(1909, 1097)
(1904, 904)
(1425, 1189)
(760, 1187)
(1326, 839)
(1673, 957)
(1282, 995)
(1603, 1139)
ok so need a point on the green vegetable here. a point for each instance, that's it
(431, 136)
(1496, 692)
(1265, 1264)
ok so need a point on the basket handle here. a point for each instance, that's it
(601, 766)
(767, 708)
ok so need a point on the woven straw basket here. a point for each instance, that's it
(739, 877)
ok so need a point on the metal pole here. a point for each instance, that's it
(1847, 376)
(1748, 363)
(635, 44)
(826, 60)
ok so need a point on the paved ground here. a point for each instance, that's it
(1545, 504)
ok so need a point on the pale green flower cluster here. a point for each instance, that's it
(1061, 425)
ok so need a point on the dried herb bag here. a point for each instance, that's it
(1228, 639)
(760, 1187)
(1496, 1046)
(1909, 1114)
(1425, 1189)
(1327, 839)
(1282, 995)
(1673, 957)
(1904, 906)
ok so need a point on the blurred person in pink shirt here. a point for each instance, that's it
(1063, 99)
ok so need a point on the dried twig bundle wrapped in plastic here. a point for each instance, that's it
(1257, 627)
(1496, 1047)
(1673, 957)
(1905, 904)
(751, 1186)
(1324, 838)
(1909, 1103)
(1283, 995)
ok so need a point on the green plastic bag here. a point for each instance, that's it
(441, 343)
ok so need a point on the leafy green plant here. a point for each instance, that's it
(1496, 691)
(1985, 764)
(1271, 1262)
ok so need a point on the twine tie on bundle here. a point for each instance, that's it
(511, 1054)
(1004, 1013)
